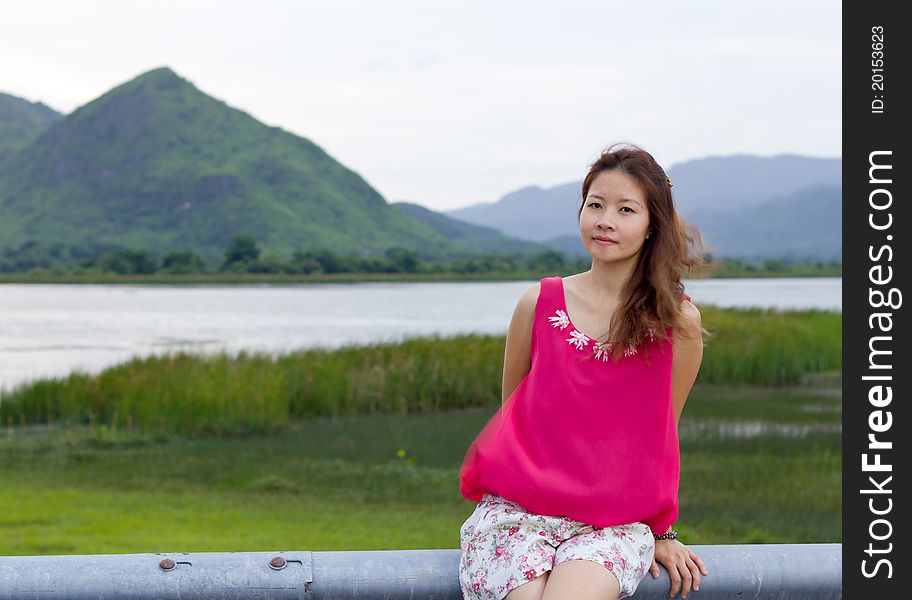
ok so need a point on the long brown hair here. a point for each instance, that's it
(650, 302)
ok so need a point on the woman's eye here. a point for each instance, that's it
(627, 208)
(594, 204)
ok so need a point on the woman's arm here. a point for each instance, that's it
(688, 354)
(684, 567)
(518, 351)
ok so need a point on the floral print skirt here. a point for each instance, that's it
(503, 546)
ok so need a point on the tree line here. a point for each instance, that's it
(244, 255)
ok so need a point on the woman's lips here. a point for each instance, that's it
(603, 242)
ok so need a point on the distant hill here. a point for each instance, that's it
(741, 180)
(571, 245)
(157, 164)
(21, 121)
(531, 213)
(720, 195)
(803, 225)
(482, 239)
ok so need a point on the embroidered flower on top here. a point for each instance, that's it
(602, 350)
(561, 320)
(578, 339)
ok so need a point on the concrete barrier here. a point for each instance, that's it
(781, 571)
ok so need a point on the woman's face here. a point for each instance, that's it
(615, 209)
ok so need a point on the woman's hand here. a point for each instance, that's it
(683, 566)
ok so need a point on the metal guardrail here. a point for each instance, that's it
(781, 571)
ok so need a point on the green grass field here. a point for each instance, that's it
(390, 481)
(359, 448)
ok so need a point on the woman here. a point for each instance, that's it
(577, 474)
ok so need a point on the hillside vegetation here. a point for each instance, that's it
(157, 164)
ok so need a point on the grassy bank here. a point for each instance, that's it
(188, 394)
(390, 481)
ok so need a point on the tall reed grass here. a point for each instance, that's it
(250, 393)
(769, 347)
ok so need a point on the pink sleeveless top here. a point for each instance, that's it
(582, 436)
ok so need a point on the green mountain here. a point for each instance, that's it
(156, 164)
(483, 239)
(21, 121)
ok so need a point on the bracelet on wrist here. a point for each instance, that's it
(669, 535)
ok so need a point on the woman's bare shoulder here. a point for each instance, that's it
(691, 319)
(524, 313)
(529, 298)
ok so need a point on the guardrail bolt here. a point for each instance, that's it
(166, 564)
(277, 562)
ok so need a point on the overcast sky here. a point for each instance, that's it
(448, 104)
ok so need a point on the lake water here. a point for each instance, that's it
(53, 330)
